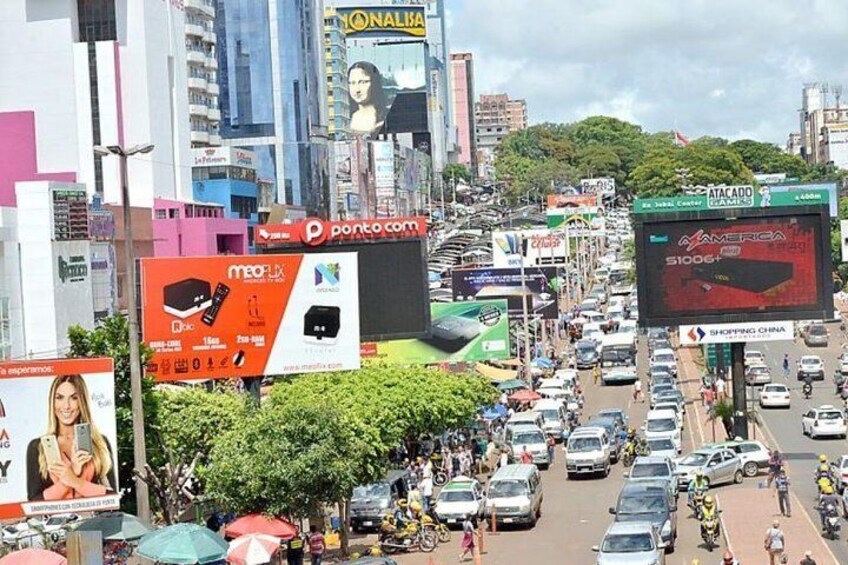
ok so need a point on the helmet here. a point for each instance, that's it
(822, 458)
(699, 473)
(708, 501)
(402, 503)
(415, 506)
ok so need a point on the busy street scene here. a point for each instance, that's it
(423, 282)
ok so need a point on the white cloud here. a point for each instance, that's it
(717, 93)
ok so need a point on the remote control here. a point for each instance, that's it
(221, 292)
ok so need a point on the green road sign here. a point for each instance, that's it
(728, 197)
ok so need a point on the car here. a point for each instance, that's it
(774, 395)
(654, 468)
(823, 421)
(757, 374)
(816, 334)
(658, 388)
(810, 365)
(617, 413)
(673, 395)
(589, 304)
(633, 543)
(752, 357)
(598, 293)
(662, 447)
(718, 465)
(586, 353)
(665, 358)
(658, 343)
(839, 471)
(555, 415)
(57, 525)
(610, 425)
(753, 453)
(587, 452)
(663, 423)
(619, 375)
(672, 405)
(535, 440)
(637, 502)
(20, 535)
(461, 496)
(657, 372)
(664, 379)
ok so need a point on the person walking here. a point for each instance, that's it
(720, 388)
(808, 559)
(294, 551)
(781, 486)
(468, 534)
(596, 373)
(637, 391)
(426, 488)
(785, 365)
(526, 457)
(775, 464)
(317, 545)
(774, 543)
(551, 448)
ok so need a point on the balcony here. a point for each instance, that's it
(214, 114)
(198, 57)
(213, 89)
(197, 83)
(212, 63)
(202, 6)
(195, 30)
(200, 137)
(214, 139)
(201, 110)
(210, 37)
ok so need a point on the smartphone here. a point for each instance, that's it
(82, 437)
(50, 447)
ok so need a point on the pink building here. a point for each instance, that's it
(462, 101)
(183, 229)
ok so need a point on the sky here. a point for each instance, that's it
(728, 68)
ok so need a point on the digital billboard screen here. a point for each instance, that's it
(759, 265)
(538, 287)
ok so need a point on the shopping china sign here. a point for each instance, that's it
(314, 231)
(736, 333)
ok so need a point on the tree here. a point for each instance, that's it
(456, 172)
(111, 339)
(598, 161)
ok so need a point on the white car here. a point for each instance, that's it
(56, 526)
(21, 535)
(823, 421)
(757, 374)
(461, 496)
(774, 395)
(754, 357)
(811, 365)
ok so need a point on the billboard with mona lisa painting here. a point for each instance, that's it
(388, 87)
(58, 447)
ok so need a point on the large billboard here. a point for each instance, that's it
(461, 331)
(388, 21)
(572, 200)
(388, 87)
(240, 316)
(603, 186)
(58, 440)
(754, 264)
(536, 247)
(537, 288)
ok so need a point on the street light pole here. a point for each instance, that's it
(139, 450)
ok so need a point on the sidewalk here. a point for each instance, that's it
(748, 509)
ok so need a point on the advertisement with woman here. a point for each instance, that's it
(59, 450)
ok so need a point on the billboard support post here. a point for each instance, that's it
(740, 401)
(524, 316)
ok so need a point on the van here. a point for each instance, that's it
(587, 452)
(514, 495)
(618, 350)
(525, 418)
(663, 424)
(555, 415)
(370, 502)
(532, 438)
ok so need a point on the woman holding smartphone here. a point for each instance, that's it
(72, 459)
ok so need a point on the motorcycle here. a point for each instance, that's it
(634, 449)
(709, 531)
(406, 539)
(430, 523)
(831, 522)
(696, 503)
(807, 389)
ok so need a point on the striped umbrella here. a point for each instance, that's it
(253, 549)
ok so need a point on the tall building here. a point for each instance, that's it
(202, 65)
(338, 94)
(824, 127)
(496, 115)
(462, 105)
(273, 94)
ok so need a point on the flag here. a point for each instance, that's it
(679, 140)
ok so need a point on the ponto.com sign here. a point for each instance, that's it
(314, 231)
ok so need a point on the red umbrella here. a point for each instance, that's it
(32, 556)
(259, 524)
(524, 396)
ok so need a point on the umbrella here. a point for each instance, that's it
(183, 543)
(495, 412)
(115, 526)
(543, 362)
(512, 384)
(31, 556)
(524, 396)
(253, 549)
(259, 524)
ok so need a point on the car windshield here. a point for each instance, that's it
(584, 444)
(662, 387)
(830, 416)
(507, 488)
(377, 490)
(758, 369)
(661, 425)
(663, 444)
(615, 414)
(456, 496)
(627, 543)
(810, 361)
(817, 330)
(775, 388)
(549, 415)
(644, 470)
(642, 504)
(522, 437)
(585, 348)
(664, 358)
(55, 521)
(694, 460)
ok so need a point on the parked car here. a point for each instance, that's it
(369, 502)
(662, 447)
(461, 496)
(753, 453)
(633, 543)
(823, 421)
(774, 395)
(811, 365)
(757, 374)
(665, 358)
(839, 470)
(515, 495)
(663, 423)
(637, 502)
(56, 525)
(654, 468)
(816, 334)
(718, 465)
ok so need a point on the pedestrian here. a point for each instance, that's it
(294, 551)
(775, 464)
(781, 486)
(720, 387)
(637, 391)
(774, 543)
(504, 458)
(468, 533)
(808, 558)
(551, 447)
(317, 545)
(426, 488)
(596, 373)
(785, 365)
(526, 457)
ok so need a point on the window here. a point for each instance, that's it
(5, 330)
(161, 214)
(173, 213)
(96, 20)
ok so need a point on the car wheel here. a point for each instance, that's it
(738, 477)
(750, 469)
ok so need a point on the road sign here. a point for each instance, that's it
(743, 332)
(723, 197)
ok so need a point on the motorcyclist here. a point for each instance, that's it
(698, 485)
(708, 512)
(808, 384)
(828, 502)
(728, 559)
(401, 514)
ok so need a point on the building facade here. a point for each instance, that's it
(462, 105)
(273, 94)
(823, 125)
(202, 70)
(338, 94)
(495, 115)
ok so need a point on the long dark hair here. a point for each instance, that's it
(378, 96)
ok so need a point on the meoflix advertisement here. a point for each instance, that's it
(243, 316)
(58, 446)
(537, 288)
(461, 331)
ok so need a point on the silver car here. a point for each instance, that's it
(718, 465)
(631, 543)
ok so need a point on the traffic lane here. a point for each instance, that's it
(784, 427)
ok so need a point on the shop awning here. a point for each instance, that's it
(494, 374)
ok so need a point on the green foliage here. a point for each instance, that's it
(455, 171)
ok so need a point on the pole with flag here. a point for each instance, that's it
(680, 140)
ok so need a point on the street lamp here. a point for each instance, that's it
(139, 450)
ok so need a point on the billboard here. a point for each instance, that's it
(755, 264)
(461, 331)
(50, 410)
(736, 333)
(537, 247)
(572, 200)
(315, 231)
(389, 21)
(603, 186)
(829, 187)
(388, 87)
(224, 157)
(538, 288)
(244, 316)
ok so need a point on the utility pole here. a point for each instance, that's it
(524, 311)
(139, 450)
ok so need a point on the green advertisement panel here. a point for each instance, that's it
(461, 331)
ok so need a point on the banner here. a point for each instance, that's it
(538, 288)
(246, 316)
(461, 331)
(49, 411)
(604, 186)
(736, 333)
(537, 247)
(388, 21)
(572, 200)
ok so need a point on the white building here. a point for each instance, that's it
(823, 125)
(202, 69)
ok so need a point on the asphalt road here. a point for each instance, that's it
(783, 427)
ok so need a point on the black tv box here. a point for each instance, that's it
(452, 333)
(187, 297)
(321, 324)
(745, 274)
